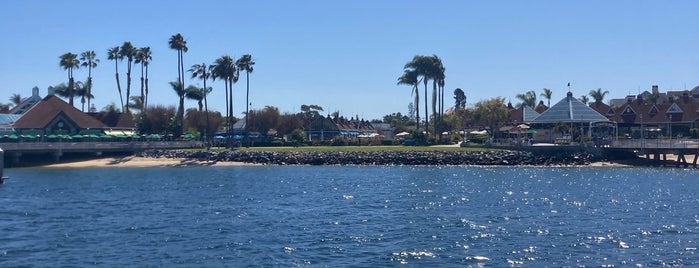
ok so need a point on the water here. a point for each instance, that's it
(350, 217)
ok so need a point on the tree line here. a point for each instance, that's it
(224, 68)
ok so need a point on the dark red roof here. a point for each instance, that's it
(51, 106)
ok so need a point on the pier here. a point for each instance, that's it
(657, 149)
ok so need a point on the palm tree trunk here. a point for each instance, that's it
(145, 101)
(89, 86)
(417, 107)
(427, 113)
(128, 85)
(71, 84)
(247, 95)
(434, 106)
(143, 98)
(230, 115)
(208, 124)
(116, 74)
(230, 102)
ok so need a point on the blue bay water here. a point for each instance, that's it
(320, 216)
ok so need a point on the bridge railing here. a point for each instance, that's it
(96, 146)
(656, 144)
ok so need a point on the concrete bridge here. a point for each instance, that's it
(14, 151)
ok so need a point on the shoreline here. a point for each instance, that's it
(176, 158)
(138, 162)
(155, 162)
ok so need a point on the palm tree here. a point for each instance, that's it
(224, 68)
(143, 57)
(197, 94)
(547, 94)
(437, 70)
(584, 99)
(136, 103)
(62, 90)
(528, 98)
(180, 91)
(82, 91)
(113, 54)
(15, 99)
(245, 63)
(423, 66)
(598, 95)
(409, 78)
(202, 72)
(90, 60)
(178, 43)
(128, 51)
(69, 61)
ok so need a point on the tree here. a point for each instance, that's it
(181, 93)
(438, 76)
(263, 120)
(225, 69)
(297, 136)
(15, 99)
(113, 54)
(410, 78)
(584, 99)
(69, 62)
(598, 95)
(528, 98)
(89, 59)
(143, 57)
(653, 97)
(178, 43)
(398, 121)
(159, 119)
(197, 94)
(136, 103)
(460, 99)
(196, 120)
(202, 72)
(547, 94)
(287, 123)
(61, 90)
(83, 92)
(491, 112)
(310, 111)
(111, 108)
(245, 63)
(427, 67)
(128, 51)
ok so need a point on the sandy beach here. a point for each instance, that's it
(135, 161)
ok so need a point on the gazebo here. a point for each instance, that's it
(564, 117)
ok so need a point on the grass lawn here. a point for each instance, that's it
(358, 149)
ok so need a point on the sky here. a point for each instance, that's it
(346, 56)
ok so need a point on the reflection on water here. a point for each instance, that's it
(350, 216)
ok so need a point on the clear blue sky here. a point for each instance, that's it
(346, 55)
